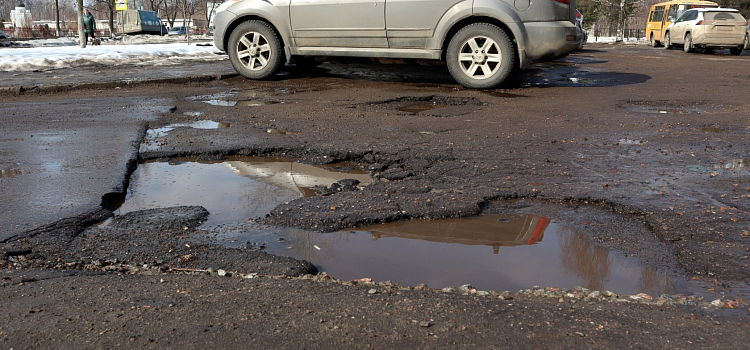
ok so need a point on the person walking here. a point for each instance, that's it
(89, 25)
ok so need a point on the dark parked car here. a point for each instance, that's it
(180, 30)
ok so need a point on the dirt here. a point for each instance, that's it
(569, 149)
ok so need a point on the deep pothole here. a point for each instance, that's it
(493, 252)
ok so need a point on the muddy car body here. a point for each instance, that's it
(481, 41)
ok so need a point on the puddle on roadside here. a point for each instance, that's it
(156, 138)
(490, 252)
(232, 190)
(714, 130)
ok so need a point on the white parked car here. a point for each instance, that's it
(708, 29)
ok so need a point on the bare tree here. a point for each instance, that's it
(618, 11)
(109, 6)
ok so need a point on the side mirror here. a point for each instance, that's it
(670, 18)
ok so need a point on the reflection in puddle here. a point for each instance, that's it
(233, 98)
(630, 142)
(421, 107)
(491, 252)
(232, 190)
(156, 138)
(10, 172)
(220, 103)
(255, 103)
(713, 130)
(735, 167)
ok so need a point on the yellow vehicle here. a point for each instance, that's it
(662, 14)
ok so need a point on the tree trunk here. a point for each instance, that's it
(81, 36)
(57, 18)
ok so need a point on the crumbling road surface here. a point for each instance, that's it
(638, 148)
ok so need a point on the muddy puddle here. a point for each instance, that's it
(490, 252)
(235, 98)
(232, 190)
(11, 172)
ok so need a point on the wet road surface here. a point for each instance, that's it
(634, 157)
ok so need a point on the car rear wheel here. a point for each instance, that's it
(736, 50)
(654, 42)
(255, 50)
(688, 47)
(480, 56)
(747, 41)
(667, 41)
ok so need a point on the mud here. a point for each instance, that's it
(569, 150)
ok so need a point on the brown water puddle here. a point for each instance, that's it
(490, 252)
(714, 130)
(234, 190)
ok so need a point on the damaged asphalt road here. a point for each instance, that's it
(624, 153)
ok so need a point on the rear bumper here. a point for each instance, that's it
(719, 42)
(549, 41)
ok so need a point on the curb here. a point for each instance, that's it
(20, 90)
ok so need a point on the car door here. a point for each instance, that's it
(338, 23)
(411, 23)
(677, 34)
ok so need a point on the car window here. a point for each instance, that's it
(672, 14)
(685, 16)
(723, 16)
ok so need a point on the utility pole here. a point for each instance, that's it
(81, 37)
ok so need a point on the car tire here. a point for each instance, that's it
(255, 50)
(667, 41)
(688, 46)
(654, 43)
(480, 47)
(735, 51)
(747, 41)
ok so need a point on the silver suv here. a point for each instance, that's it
(481, 41)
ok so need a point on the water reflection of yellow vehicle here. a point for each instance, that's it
(490, 230)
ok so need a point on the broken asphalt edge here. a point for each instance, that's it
(20, 90)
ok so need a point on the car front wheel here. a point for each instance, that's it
(480, 56)
(255, 50)
(667, 41)
(688, 43)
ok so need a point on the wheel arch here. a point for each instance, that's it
(479, 19)
(254, 17)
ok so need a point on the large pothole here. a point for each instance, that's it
(511, 251)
